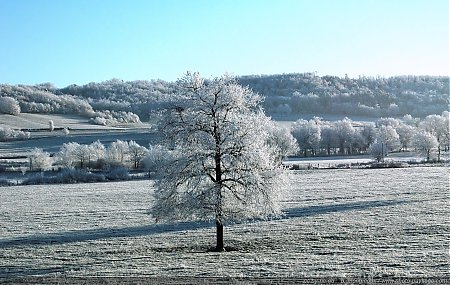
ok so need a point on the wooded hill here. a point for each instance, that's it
(374, 97)
(115, 100)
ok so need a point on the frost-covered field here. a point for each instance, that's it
(38, 121)
(333, 161)
(345, 223)
(81, 131)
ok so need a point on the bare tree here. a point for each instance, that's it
(222, 165)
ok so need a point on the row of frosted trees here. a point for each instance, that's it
(344, 137)
(127, 154)
(315, 137)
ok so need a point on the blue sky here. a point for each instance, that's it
(80, 41)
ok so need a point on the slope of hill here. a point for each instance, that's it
(115, 101)
(376, 97)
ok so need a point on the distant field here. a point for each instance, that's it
(81, 131)
(39, 121)
(53, 142)
(338, 223)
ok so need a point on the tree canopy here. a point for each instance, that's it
(224, 165)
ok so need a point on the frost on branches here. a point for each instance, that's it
(224, 164)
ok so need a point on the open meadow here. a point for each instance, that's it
(80, 130)
(338, 223)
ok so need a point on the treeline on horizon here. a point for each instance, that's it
(118, 101)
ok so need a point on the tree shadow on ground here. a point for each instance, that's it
(101, 233)
(146, 230)
(342, 207)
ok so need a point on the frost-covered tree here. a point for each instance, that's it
(156, 156)
(282, 138)
(307, 134)
(359, 142)
(39, 159)
(388, 137)
(446, 141)
(410, 120)
(437, 126)
(388, 122)
(328, 138)
(77, 155)
(73, 154)
(344, 134)
(82, 154)
(97, 153)
(405, 133)
(9, 106)
(425, 143)
(118, 153)
(65, 156)
(7, 134)
(51, 126)
(223, 166)
(376, 149)
(66, 131)
(136, 153)
(368, 132)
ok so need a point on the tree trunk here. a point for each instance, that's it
(219, 227)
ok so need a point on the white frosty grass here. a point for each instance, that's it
(41, 121)
(81, 131)
(345, 223)
(333, 161)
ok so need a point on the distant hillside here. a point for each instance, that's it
(117, 101)
(395, 96)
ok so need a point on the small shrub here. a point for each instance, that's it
(77, 176)
(65, 177)
(118, 173)
(37, 178)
